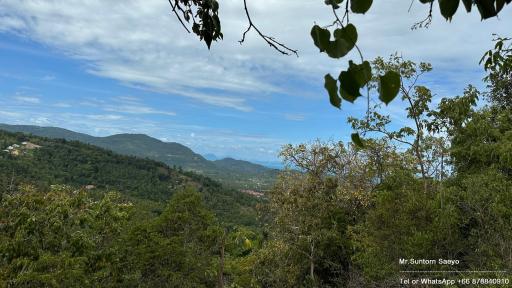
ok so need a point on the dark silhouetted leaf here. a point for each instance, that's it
(344, 40)
(349, 86)
(331, 86)
(354, 79)
(321, 37)
(448, 8)
(362, 72)
(486, 8)
(357, 140)
(389, 85)
(360, 6)
(499, 5)
(468, 4)
(334, 3)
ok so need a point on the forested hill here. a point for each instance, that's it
(234, 173)
(42, 162)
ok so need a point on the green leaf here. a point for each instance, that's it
(357, 140)
(331, 86)
(349, 88)
(360, 6)
(357, 76)
(486, 8)
(321, 37)
(215, 6)
(499, 5)
(362, 72)
(334, 3)
(389, 85)
(448, 8)
(468, 4)
(247, 243)
(344, 40)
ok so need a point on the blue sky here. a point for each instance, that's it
(101, 67)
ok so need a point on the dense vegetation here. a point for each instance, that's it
(79, 165)
(233, 173)
(343, 217)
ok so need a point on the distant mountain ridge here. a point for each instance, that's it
(235, 173)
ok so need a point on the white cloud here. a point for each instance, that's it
(40, 121)
(28, 99)
(10, 114)
(49, 78)
(136, 109)
(138, 42)
(62, 105)
(294, 117)
(105, 117)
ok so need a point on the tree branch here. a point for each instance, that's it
(425, 22)
(176, 13)
(280, 47)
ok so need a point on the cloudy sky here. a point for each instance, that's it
(107, 67)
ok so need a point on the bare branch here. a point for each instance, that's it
(176, 13)
(425, 23)
(280, 47)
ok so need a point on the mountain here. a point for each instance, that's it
(270, 164)
(42, 162)
(235, 173)
(211, 157)
(240, 166)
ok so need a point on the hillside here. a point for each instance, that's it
(43, 162)
(235, 173)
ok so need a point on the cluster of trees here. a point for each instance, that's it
(439, 189)
(341, 216)
(139, 180)
(66, 238)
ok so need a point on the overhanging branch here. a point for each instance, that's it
(280, 47)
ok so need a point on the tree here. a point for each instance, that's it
(177, 249)
(428, 147)
(466, 218)
(60, 238)
(498, 62)
(312, 208)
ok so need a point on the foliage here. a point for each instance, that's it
(62, 238)
(177, 249)
(207, 26)
(484, 142)
(230, 172)
(313, 209)
(425, 145)
(79, 165)
(338, 216)
(498, 62)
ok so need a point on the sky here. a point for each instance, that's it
(109, 67)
